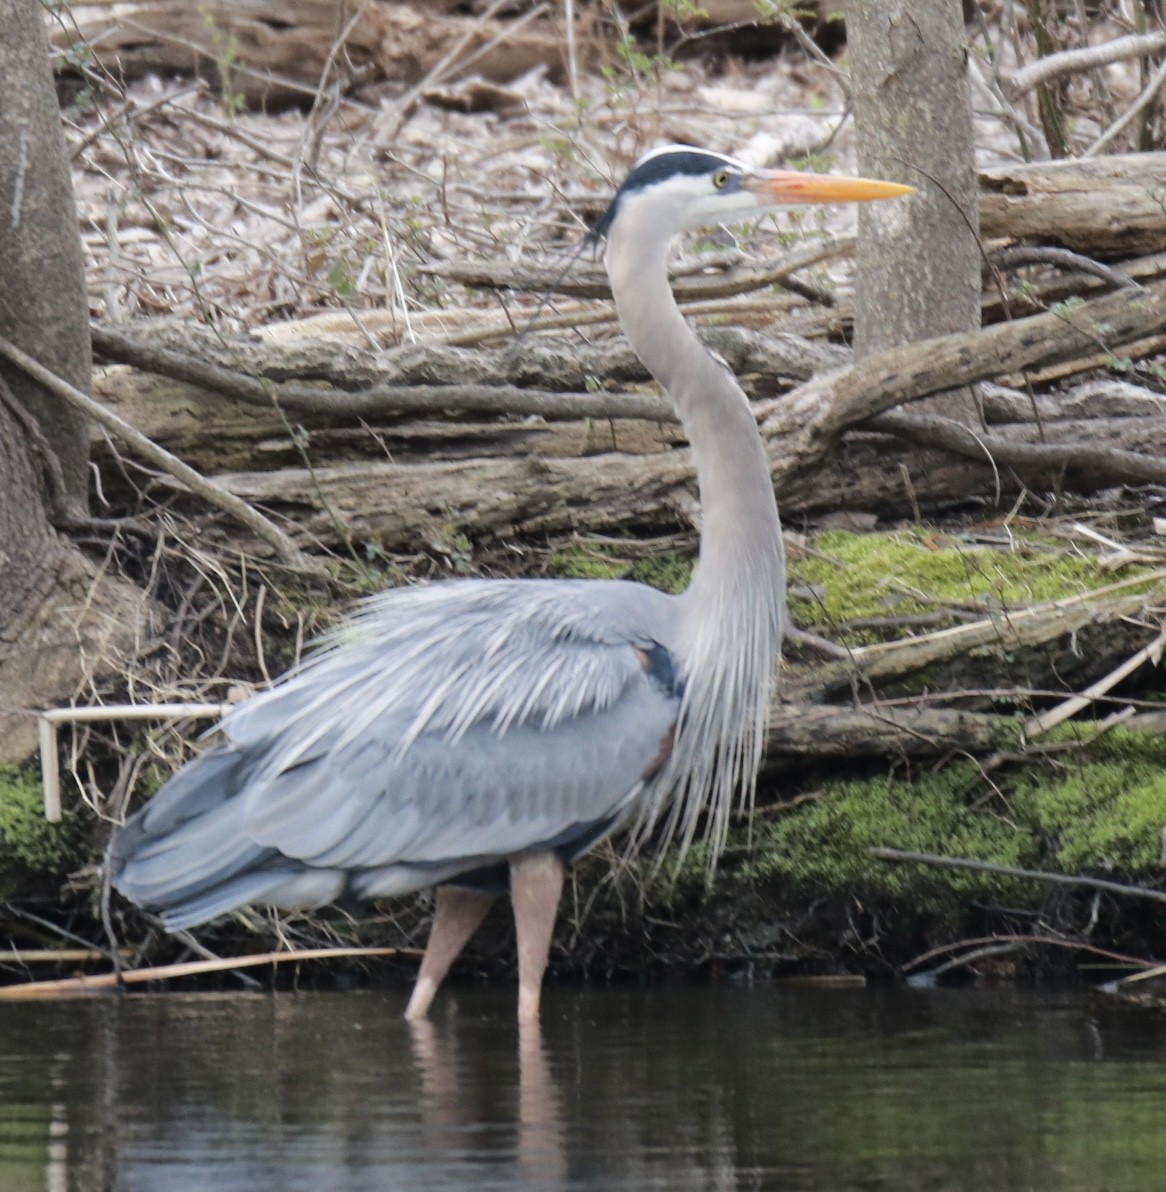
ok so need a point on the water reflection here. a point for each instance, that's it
(451, 1097)
(796, 1090)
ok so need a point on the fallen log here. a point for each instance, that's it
(399, 504)
(273, 50)
(896, 478)
(811, 415)
(864, 470)
(1103, 206)
(547, 379)
(820, 732)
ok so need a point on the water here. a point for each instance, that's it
(802, 1090)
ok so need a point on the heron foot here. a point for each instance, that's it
(456, 916)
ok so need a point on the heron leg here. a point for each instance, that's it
(536, 884)
(456, 916)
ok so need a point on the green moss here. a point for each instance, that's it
(1102, 809)
(29, 844)
(1098, 808)
(669, 572)
(919, 570)
(824, 843)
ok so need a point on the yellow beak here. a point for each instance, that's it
(790, 186)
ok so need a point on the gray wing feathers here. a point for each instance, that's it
(446, 657)
(489, 793)
(437, 727)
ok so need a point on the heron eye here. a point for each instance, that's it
(721, 179)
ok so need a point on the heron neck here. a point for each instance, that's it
(740, 544)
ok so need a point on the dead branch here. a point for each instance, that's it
(108, 982)
(590, 281)
(1061, 258)
(1131, 113)
(1051, 66)
(1017, 629)
(1060, 879)
(809, 416)
(822, 731)
(524, 380)
(1151, 652)
(867, 471)
(1026, 459)
(211, 492)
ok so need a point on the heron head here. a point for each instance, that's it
(679, 187)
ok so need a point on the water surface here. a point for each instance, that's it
(802, 1090)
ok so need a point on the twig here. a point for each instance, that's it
(793, 26)
(129, 111)
(210, 492)
(984, 953)
(933, 431)
(1152, 652)
(1051, 941)
(572, 60)
(1032, 139)
(1051, 66)
(1059, 879)
(56, 929)
(1119, 125)
(103, 982)
(1062, 258)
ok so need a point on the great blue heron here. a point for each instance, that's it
(477, 733)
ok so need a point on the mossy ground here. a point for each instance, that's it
(668, 571)
(844, 576)
(1098, 808)
(33, 852)
(1086, 808)
(917, 570)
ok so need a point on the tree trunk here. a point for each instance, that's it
(918, 261)
(43, 305)
(61, 620)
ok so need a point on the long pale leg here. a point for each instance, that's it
(536, 883)
(456, 916)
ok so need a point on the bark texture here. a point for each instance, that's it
(918, 260)
(1102, 206)
(61, 621)
(43, 306)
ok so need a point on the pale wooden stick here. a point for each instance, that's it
(572, 61)
(74, 986)
(50, 767)
(1151, 652)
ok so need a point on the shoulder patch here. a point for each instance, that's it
(660, 667)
